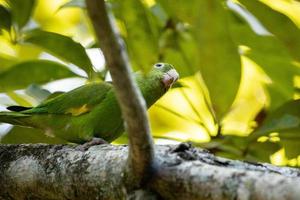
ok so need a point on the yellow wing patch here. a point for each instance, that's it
(79, 110)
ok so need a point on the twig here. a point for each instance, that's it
(141, 153)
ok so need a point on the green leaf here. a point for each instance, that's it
(19, 135)
(5, 16)
(74, 3)
(237, 147)
(21, 75)
(182, 10)
(278, 24)
(233, 146)
(219, 59)
(261, 151)
(6, 62)
(286, 118)
(178, 47)
(63, 47)
(271, 56)
(21, 11)
(290, 141)
(291, 147)
(209, 48)
(139, 29)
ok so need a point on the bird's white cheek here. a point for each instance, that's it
(170, 77)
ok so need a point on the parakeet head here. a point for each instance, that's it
(157, 81)
(166, 73)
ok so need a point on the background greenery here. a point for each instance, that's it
(238, 60)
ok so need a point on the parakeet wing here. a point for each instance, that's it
(75, 102)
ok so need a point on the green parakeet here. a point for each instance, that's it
(91, 110)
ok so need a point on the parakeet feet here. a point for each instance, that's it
(93, 142)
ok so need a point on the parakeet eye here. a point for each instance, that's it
(158, 65)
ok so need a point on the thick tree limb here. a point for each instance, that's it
(183, 172)
(132, 104)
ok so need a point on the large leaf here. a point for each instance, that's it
(5, 17)
(21, 11)
(63, 47)
(271, 56)
(215, 54)
(21, 75)
(278, 24)
(139, 30)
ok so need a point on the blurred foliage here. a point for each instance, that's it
(238, 60)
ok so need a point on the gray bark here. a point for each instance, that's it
(181, 172)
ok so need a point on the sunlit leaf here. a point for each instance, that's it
(271, 56)
(37, 71)
(123, 139)
(21, 11)
(19, 99)
(5, 17)
(19, 135)
(63, 47)
(278, 24)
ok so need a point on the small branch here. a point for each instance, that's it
(132, 104)
(62, 172)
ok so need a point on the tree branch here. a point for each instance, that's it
(132, 104)
(62, 172)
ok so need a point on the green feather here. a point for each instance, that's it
(89, 111)
(90, 95)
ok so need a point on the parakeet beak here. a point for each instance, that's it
(169, 78)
